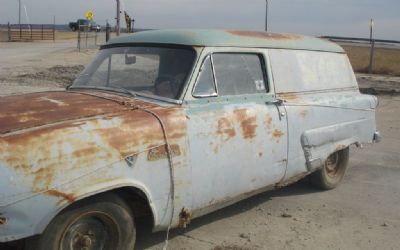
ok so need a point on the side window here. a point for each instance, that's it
(238, 74)
(297, 70)
(205, 83)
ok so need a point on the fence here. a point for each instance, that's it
(88, 38)
(365, 40)
(31, 32)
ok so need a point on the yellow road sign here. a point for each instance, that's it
(89, 15)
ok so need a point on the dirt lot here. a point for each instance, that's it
(363, 213)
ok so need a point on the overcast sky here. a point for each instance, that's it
(312, 17)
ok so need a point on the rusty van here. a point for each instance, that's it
(175, 124)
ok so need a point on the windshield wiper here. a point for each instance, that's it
(113, 89)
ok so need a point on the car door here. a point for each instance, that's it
(237, 133)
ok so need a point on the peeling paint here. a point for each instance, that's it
(185, 217)
(264, 35)
(91, 133)
(248, 124)
(3, 220)
(160, 152)
(68, 197)
(268, 121)
(303, 113)
(225, 129)
(277, 134)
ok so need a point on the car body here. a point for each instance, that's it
(183, 122)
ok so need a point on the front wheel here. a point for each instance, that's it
(331, 174)
(104, 224)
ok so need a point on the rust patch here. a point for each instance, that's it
(68, 197)
(303, 113)
(185, 217)
(225, 129)
(43, 178)
(277, 134)
(50, 107)
(340, 147)
(248, 124)
(85, 152)
(161, 152)
(66, 149)
(290, 97)
(3, 220)
(268, 121)
(264, 35)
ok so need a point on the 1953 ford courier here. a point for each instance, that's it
(175, 124)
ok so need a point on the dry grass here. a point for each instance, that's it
(63, 35)
(387, 61)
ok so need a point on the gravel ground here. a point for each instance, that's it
(362, 213)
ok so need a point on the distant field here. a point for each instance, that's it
(387, 61)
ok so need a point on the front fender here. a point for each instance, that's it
(31, 216)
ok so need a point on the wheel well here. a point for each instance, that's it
(135, 199)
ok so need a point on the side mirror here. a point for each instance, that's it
(130, 59)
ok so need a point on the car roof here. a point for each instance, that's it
(228, 38)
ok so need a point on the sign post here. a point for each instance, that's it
(89, 15)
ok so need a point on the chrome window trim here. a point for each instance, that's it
(263, 65)
(215, 93)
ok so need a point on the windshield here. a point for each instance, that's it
(145, 70)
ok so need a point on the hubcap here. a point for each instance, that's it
(332, 164)
(90, 232)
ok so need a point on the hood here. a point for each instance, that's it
(50, 139)
(38, 109)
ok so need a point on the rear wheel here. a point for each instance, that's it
(332, 172)
(104, 224)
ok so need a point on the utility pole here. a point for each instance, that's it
(266, 17)
(19, 12)
(372, 52)
(118, 17)
(371, 28)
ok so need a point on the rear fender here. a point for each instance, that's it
(321, 142)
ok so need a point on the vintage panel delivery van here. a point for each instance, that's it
(175, 124)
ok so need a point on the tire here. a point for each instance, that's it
(104, 223)
(331, 174)
(73, 28)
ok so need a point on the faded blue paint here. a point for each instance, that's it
(229, 38)
(260, 144)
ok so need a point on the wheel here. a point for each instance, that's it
(104, 224)
(73, 28)
(333, 171)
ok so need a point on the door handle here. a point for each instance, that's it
(277, 103)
